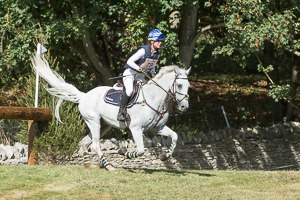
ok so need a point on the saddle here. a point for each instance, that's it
(112, 96)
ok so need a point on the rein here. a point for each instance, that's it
(168, 93)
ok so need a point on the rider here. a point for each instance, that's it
(144, 59)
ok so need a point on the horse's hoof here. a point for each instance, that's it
(90, 165)
(87, 165)
(110, 168)
(164, 156)
(122, 151)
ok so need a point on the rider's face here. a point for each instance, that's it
(157, 44)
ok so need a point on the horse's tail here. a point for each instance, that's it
(59, 88)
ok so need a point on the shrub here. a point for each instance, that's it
(8, 129)
(55, 141)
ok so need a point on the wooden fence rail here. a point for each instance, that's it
(33, 115)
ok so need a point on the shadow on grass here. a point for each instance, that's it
(170, 171)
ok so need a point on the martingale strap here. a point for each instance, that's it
(160, 114)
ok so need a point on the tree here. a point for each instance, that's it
(196, 18)
(80, 34)
(16, 36)
(92, 39)
(268, 29)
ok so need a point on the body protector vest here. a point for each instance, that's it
(148, 61)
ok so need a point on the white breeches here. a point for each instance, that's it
(129, 76)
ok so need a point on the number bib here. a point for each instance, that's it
(149, 63)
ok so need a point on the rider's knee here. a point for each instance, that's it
(175, 138)
(129, 92)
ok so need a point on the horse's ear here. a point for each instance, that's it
(187, 72)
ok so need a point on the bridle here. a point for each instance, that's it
(172, 92)
(185, 96)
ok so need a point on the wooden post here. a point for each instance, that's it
(32, 155)
(33, 115)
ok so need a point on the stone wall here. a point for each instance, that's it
(13, 155)
(276, 147)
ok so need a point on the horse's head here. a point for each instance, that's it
(180, 88)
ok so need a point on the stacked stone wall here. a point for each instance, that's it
(276, 147)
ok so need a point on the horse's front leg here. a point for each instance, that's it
(166, 131)
(137, 135)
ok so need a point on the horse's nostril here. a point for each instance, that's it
(182, 107)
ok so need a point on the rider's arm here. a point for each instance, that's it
(131, 61)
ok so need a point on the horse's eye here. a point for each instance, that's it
(179, 86)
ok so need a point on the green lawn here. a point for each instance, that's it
(77, 182)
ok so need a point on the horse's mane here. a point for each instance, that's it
(165, 70)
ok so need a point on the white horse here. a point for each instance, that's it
(150, 112)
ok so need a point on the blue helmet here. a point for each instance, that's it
(155, 35)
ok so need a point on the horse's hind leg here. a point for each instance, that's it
(88, 138)
(166, 131)
(94, 126)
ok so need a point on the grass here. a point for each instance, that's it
(77, 182)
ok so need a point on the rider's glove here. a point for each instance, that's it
(152, 74)
(140, 70)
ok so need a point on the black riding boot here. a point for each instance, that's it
(123, 104)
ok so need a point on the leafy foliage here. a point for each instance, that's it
(279, 92)
(17, 32)
(8, 130)
(250, 23)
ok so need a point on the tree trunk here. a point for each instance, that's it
(187, 32)
(270, 59)
(96, 60)
(294, 87)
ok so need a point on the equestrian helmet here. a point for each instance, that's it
(155, 35)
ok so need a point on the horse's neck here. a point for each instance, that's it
(157, 93)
